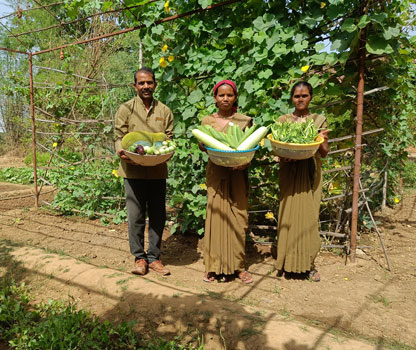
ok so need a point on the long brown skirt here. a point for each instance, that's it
(298, 232)
(227, 220)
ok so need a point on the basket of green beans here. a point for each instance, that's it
(294, 140)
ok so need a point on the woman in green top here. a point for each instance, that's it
(300, 183)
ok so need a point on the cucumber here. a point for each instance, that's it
(252, 141)
(210, 141)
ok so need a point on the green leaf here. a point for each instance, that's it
(378, 45)
(279, 49)
(348, 25)
(391, 32)
(335, 11)
(265, 74)
(204, 3)
(310, 22)
(261, 55)
(379, 17)
(260, 37)
(195, 96)
(364, 20)
(188, 113)
(314, 81)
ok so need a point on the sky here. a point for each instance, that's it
(5, 9)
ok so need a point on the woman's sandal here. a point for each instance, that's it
(245, 277)
(314, 276)
(209, 277)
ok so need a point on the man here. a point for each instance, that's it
(145, 186)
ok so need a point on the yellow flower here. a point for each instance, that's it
(346, 278)
(55, 144)
(166, 6)
(323, 5)
(115, 173)
(56, 124)
(163, 62)
(203, 186)
(171, 58)
(165, 48)
(269, 215)
(304, 69)
(72, 168)
(396, 200)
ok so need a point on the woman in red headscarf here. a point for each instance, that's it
(227, 216)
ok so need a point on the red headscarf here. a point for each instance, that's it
(234, 87)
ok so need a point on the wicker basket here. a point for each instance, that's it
(148, 160)
(231, 159)
(297, 151)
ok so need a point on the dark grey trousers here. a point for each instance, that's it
(142, 195)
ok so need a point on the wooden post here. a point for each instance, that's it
(383, 203)
(32, 115)
(358, 134)
(140, 54)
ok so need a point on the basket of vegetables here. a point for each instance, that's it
(232, 149)
(146, 148)
(295, 140)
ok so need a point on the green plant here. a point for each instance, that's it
(59, 325)
(409, 174)
(41, 159)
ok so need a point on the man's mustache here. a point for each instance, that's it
(147, 90)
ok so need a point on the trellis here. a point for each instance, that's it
(357, 186)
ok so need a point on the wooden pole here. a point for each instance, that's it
(358, 137)
(32, 115)
(383, 203)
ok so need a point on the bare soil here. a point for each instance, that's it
(90, 263)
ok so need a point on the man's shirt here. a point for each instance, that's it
(132, 116)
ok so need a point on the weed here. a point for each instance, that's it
(247, 333)
(380, 299)
(285, 313)
(276, 290)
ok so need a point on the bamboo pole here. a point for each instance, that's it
(358, 146)
(32, 114)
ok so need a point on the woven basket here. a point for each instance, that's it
(231, 159)
(148, 160)
(297, 151)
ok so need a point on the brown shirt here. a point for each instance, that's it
(132, 116)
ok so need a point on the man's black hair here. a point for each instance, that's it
(146, 70)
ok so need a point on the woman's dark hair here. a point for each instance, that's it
(301, 83)
(146, 70)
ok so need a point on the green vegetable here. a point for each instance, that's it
(210, 141)
(290, 132)
(232, 138)
(252, 140)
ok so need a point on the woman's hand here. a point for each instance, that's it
(242, 167)
(202, 147)
(286, 160)
(123, 156)
(324, 148)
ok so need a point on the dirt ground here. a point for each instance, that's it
(362, 300)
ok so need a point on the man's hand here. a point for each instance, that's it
(123, 156)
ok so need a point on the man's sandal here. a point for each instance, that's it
(209, 277)
(314, 276)
(245, 277)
